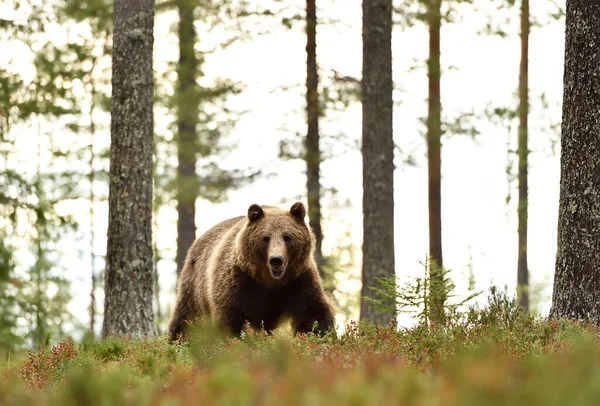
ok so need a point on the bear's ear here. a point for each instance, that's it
(298, 210)
(255, 212)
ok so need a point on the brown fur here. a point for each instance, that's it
(230, 274)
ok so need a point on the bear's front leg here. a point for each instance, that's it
(309, 306)
(229, 319)
(322, 315)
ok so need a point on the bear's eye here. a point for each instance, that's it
(266, 239)
(287, 238)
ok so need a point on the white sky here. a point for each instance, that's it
(477, 222)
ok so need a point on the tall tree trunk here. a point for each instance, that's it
(129, 276)
(577, 273)
(377, 152)
(40, 322)
(187, 118)
(156, 280)
(92, 232)
(434, 142)
(522, 268)
(313, 153)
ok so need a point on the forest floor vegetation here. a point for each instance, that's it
(485, 356)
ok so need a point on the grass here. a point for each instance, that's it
(490, 356)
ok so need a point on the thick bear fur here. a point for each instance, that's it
(258, 268)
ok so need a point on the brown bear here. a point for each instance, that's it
(258, 268)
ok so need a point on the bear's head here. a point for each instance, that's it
(275, 245)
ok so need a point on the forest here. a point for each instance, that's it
(445, 152)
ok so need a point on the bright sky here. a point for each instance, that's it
(479, 228)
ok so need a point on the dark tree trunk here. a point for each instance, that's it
(313, 153)
(577, 273)
(129, 272)
(187, 118)
(434, 142)
(377, 152)
(522, 268)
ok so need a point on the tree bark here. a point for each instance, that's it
(577, 273)
(187, 138)
(313, 152)
(434, 142)
(377, 152)
(129, 272)
(523, 148)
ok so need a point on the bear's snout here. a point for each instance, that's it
(276, 266)
(276, 261)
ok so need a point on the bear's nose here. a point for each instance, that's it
(276, 261)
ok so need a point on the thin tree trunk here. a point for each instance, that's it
(129, 277)
(39, 323)
(577, 273)
(156, 280)
(522, 268)
(40, 330)
(377, 152)
(187, 118)
(313, 153)
(92, 233)
(434, 142)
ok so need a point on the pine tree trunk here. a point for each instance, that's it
(434, 142)
(313, 153)
(577, 273)
(129, 273)
(522, 268)
(40, 316)
(187, 118)
(92, 225)
(378, 153)
(156, 279)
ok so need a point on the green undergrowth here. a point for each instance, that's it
(489, 356)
